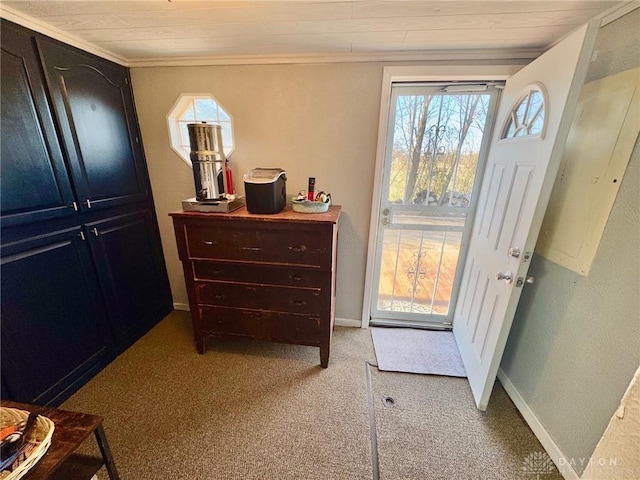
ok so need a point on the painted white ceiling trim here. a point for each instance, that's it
(619, 11)
(516, 56)
(15, 16)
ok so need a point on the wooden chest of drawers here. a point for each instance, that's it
(268, 277)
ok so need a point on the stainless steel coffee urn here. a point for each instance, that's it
(208, 161)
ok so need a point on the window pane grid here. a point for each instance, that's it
(198, 109)
(527, 118)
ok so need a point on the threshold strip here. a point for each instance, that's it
(375, 464)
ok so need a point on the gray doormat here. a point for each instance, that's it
(417, 351)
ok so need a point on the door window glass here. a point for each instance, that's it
(527, 118)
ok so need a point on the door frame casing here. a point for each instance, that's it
(436, 73)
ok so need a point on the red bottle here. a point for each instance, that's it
(229, 176)
(311, 190)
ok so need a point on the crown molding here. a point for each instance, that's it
(618, 11)
(39, 26)
(517, 56)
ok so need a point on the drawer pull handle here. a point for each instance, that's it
(299, 303)
(210, 242)
(296, 248)
(295, 278)
(251, 249)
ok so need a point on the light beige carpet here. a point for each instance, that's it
(411, 350)
(434, 431)
(244, 410)
(255, 410)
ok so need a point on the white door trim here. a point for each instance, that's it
(390, 75)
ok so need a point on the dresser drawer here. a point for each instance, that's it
(261, 297)
(275, 327)
(265, 275)
(266, 245)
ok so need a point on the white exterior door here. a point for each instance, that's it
(533, 121)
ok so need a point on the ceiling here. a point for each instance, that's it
(155, 31)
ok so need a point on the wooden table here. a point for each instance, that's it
(71, 430)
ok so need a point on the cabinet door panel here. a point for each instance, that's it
(99, 122)
(35, 185)
(93, 103)
(52, 317)
(125, 253)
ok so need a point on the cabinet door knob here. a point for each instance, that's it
(299, 303)
(88, 202)
(210, 242)
(95, 231)
(295, 278)
(297, 248)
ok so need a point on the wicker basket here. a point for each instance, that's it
(306, 206)
(35, 450)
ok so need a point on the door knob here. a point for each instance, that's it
(385, 211)
(385, 221)
(508, 276)
(514, 252)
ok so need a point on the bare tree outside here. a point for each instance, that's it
(433, 160)
(436, 140)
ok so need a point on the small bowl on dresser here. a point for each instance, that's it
(307, 206)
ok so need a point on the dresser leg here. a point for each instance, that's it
(324, 356)
(201, 344)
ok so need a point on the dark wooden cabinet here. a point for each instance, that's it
(82, 269)
(53, 319)
(94, 107)
(269, 277)
(35, 185)
(126, 254)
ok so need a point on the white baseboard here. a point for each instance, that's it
(551, 447)
(181, 306)
(347, 322)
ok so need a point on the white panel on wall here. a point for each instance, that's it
(601, 139)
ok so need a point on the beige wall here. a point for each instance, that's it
(311, 120)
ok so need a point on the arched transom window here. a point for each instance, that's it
(527, 118)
